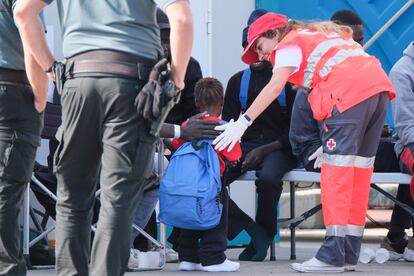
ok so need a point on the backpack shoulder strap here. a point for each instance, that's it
(282, 98)
(244, 88)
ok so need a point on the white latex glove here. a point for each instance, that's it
(233, 131)
(318, 155)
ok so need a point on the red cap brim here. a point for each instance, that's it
(262, 24)
(249, 56)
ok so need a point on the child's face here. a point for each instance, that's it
(264, 47)
(213, 110)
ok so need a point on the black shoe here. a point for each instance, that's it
(42, 254)
(396, 249)
(247, 253)
(261, 241)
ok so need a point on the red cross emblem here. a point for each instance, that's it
(331, 144)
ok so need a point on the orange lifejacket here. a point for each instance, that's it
(337, 70)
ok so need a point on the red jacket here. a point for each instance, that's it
(337, 70)
(233, 155)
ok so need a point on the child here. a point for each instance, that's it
(204, 250)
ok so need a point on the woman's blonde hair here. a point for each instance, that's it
(323, 26)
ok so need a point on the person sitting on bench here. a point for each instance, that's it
(266, 149)
(402, 76)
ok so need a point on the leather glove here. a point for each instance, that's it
(150, 99)
(233, 131)
(318, 155)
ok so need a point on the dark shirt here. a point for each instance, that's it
(186, 106)
(11, 48)
(273, 124)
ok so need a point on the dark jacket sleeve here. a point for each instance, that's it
(186, 108)
(290, 98)
(232, 108)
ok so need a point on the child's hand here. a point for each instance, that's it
(233, 164)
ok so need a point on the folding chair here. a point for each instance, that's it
(29, 212)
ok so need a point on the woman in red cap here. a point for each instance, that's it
(348, 91)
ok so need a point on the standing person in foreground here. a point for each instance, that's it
(110, 49)
(204, 249)
(182, 111)
(21, 117)
(348, 94)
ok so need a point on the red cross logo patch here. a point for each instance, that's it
(331, 144)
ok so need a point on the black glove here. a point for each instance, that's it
(169, 97)
(151, 98)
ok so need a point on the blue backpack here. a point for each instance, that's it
(190, 188)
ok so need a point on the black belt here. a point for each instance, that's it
(84, 67)
(109, 62)
(9, 75)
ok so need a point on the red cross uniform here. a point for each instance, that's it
(349, 92)
(331, 144)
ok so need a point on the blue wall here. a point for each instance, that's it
(388, 48)
(375, 13)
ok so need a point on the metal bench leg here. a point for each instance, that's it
(292, 228)
(273, 251)
(273, 244)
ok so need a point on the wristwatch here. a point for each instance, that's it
(249, 120)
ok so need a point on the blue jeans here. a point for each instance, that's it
(145, 208)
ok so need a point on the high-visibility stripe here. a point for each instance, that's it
(318, 53)
(339, 57)
(354, 230)
(348, 160)
(336, 230)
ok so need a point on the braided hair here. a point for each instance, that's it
(208, 92)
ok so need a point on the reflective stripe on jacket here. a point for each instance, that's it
(337, 70)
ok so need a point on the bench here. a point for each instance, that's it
(300, 175)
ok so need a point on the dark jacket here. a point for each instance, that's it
(273, 123)
(186, 106)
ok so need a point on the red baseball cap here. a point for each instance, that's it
(264, 23)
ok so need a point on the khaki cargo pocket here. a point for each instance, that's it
(144, 156)
(59, 150)
(19, 156)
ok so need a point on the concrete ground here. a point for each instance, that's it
(307, 244)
